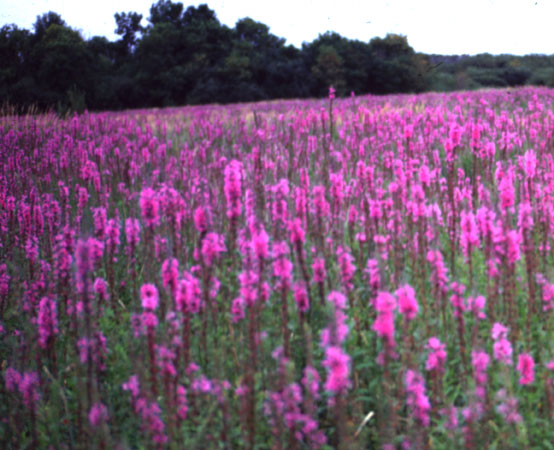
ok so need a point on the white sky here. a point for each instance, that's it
(432, 26)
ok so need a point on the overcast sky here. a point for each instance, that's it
(432, 26)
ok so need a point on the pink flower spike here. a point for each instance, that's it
(498, 331)
(407, 303)
(98, 414)
(526, 367)
(149, 296)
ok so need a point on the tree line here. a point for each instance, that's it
(186, 56)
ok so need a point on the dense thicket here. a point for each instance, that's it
(186, 56)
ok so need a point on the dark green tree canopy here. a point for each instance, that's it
(186, 56)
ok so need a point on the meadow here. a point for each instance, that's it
(364, 272)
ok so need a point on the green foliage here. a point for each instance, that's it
(186, 56)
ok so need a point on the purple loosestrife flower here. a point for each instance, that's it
(12, 379)
(233, 188)
(83, 259)
(311, 381)
(477, 306)
(100, 219)
(384, 323)
(5, 281)
(150, 207)
(437, 355)
(499, 331)
(526, 368)
(28, 387)
(170, 274)
(508, 407)
(200, 220)
(47, 321)
(322, 208)
(189, 295)
(31, 249)
(98, 414)
(132, 385)
(112, 235)
(149, 297)
(282, 266)
(439, 276)
(407, 303)
(132, 231)
(469, 238)
(337, 363)
(150, 413)
(372, 270)
(347, 268)
(451, 413)
(212, 245)
(279, 208)
(502, 351)
(260, 244)
(417, 400)
(237, 309)
(480, 361)
(502, 348)
(319, 271)
(182, 403)
(301, 297)
(101, 289)
(297, 234)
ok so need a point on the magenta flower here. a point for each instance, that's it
(100, 288)
(301, 297)
(337, 363)
(149, 297)
(47, 321)
(98, 414)
(28, 387)
(477, 306)
(132, 231)
(100, 219)
(112, 235)
(319, 271)
(346, 266)
(439, 276)
(407, 303)
(526, 368)
(384, 323)
(170, 274)
(502, 351)
(374, 276)
(132, 385)
(499, 331)
(212, 245)
(480, 361)
(233, 188)
(260, 243)
(200, 221)
(182, 403)
(417, 400)
(297, 235)
(237, 309)
(437, 355)
(322, 208)
(469, 238)
(150, 207)
(337, 299)
(508, 407)
(12, 379)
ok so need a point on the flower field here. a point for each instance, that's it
(367, 272)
